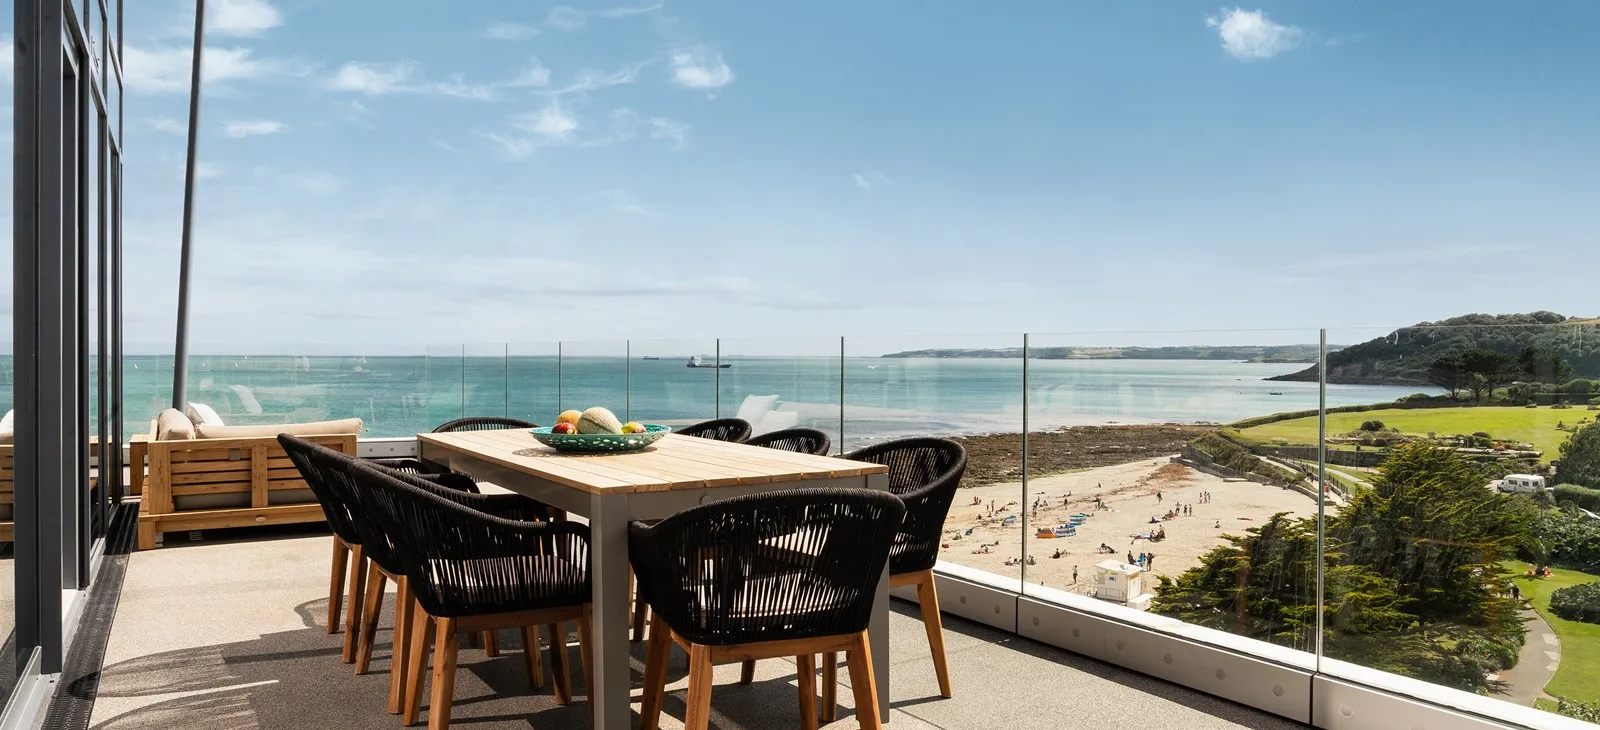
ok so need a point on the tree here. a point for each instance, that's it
(1448, 372)
(1543, 365)
(1489, 370)
(1412, 572)
(1580, 458)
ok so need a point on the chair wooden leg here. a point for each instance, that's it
(445, 648)
(400, 654)
(371, 610)
(558, 664)
(341, 564)
(698, 716)
(491, 643)
(864, 684)
(806, 664)
(830, 687)
(585, 624)
(532, 656)
(655, 674)
(352, 613)
(417, 663)
(639, 609)
(929, 598)
(747, 671)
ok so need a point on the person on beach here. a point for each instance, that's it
(1130, 557)
(1075, 577)
(1149, 560)
(1218, 525)
(1158, 496)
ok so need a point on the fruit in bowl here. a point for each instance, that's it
(633, 427)
(599, 420)
(569, 417)
(564, 427)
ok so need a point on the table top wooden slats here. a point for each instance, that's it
(674, 462)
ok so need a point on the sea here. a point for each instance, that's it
(855, 399)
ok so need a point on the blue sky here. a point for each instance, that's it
(410, 172)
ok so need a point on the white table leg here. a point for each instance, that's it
(608, 541)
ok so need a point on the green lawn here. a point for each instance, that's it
(1578, 676)
(1530, 425)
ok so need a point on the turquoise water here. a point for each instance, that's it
(883, 397)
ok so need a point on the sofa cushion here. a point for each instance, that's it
(756, 406)
(172, 425)
(318, 428)
(9, 423)
(202, 414)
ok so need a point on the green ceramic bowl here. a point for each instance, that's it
(600, 443)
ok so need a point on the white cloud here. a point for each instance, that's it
(244, 17)
(868, 180)
(551, 122)
(671, 131)
(168, 125)
(206, 170)
(376, 79)
(8, 57)
(567, 18)
(700, 68)
(317, 183)
(242, 129)
(591, 80)
(507, 31)
(534, 74)
(1249, 35)
(166, 69)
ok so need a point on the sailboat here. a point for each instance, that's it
(697, 362)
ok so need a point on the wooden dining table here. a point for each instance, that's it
(611, 490)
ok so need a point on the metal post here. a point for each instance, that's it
(505, 378)
(627, 382)
(841, 395)
(180, 364)
(1024, 577)
(40, 453)
(1322, 478)
(462, 370)
(558, 377)
(718, 378)
(77, 575)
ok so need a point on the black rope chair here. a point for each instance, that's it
(471, 571)
(800, 440)
(924, 473)
(348, 556)
(375, 562)
(694, 570)
(719, 429)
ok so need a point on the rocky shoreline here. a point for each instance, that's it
(997, 458)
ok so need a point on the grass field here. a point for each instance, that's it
(1578, 676)
(1531, 425)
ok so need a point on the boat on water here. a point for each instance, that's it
(1275, 392)
(697, 362)
(650, 357)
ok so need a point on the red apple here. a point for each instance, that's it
(564, 428)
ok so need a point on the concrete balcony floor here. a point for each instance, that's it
(228, 633)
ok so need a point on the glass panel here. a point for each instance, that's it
(146, 384)
(1474, 501)
(969, 387)
(8, 583)
(778, 382)
(1144, 495)
(592, 374)
(486, 379)
(91, 319)
(662, 390)
(533, 392)
(445, 384)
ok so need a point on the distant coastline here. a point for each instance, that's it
(1292, 354)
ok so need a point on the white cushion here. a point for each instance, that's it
(203, 415)
(756, 406)
(172, 425)
(317, 428)
(9, 423)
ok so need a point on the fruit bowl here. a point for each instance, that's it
(600, 443)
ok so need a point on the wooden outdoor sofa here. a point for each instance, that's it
(212, 477)
(8, 493)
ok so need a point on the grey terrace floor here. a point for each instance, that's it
(228, 633)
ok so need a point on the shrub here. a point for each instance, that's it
(1481, 434)
(1372, 425)
(1577, 603)
(1578, 709)
(1584, 497)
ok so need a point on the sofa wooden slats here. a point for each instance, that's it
(199, 484)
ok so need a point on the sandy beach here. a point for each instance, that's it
(1129, 492)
